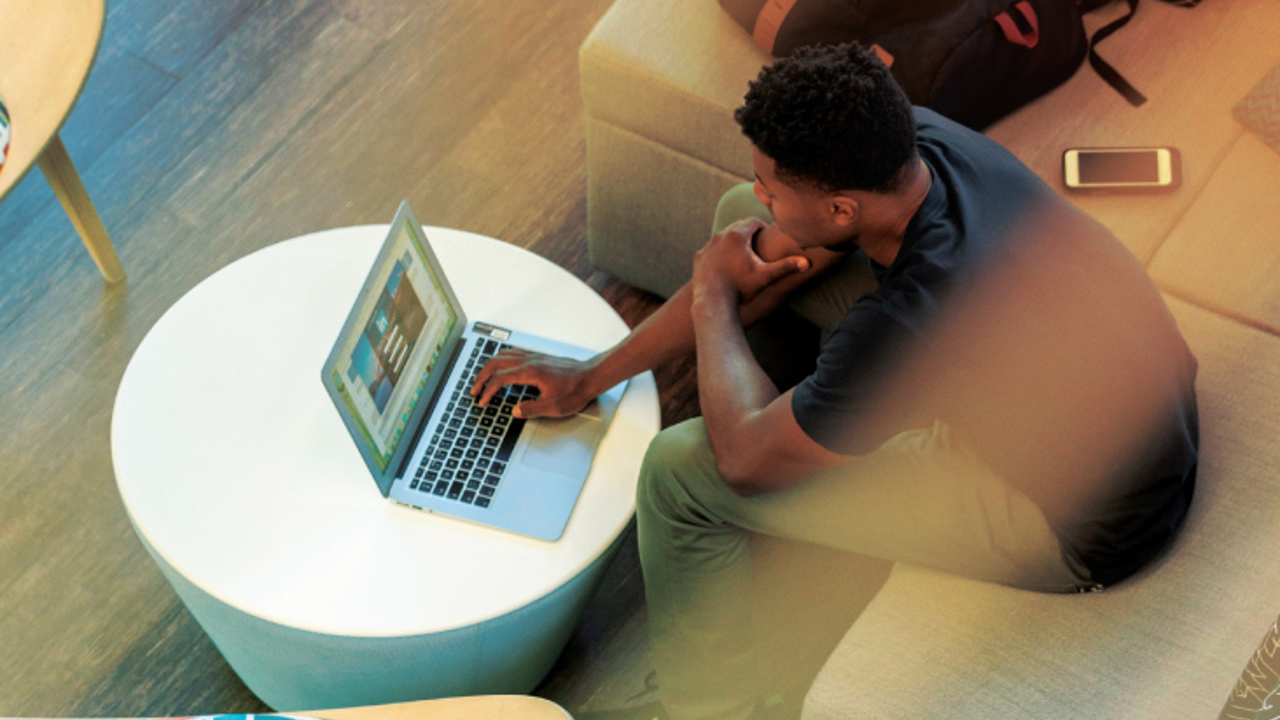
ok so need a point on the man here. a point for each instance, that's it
(1011, 401)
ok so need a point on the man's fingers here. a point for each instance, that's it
(502, 363)
(530, 409)
(495, 380)
(484, 376)
(779, 269)
(503, 380)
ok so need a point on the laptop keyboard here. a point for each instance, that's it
(471, 447)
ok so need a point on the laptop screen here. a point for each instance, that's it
(384, 361)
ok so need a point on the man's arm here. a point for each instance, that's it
(568, 386)
(758, 445)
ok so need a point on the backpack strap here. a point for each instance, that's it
(1102, 67)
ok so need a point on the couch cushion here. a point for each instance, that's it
(673, 72)
(1193, 65)
(1168, 643)
(650, 207)
(1225, 251)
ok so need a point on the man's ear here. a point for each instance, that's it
(845, 210)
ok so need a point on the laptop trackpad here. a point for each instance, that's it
(563, 446)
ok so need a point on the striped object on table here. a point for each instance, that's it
(4, 133)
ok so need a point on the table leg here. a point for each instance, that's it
(56, 165)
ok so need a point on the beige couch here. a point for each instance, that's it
(660, 79)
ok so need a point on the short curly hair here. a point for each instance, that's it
(832, 118)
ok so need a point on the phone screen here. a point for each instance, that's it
(1139, 166)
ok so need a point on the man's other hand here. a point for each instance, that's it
(561, 382)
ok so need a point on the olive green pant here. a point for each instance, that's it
(923, 497)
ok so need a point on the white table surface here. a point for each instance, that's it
(235, 467)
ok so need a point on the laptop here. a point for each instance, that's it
(400, 373)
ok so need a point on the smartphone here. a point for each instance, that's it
(1122, 168)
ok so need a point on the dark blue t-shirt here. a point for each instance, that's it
(1038, 338)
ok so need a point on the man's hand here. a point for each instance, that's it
(729, 264)
(561, 382)
(758, 445)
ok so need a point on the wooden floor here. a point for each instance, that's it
(209, 130)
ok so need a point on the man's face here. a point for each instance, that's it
(805, 214)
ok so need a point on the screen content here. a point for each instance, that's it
(384, 365)
(1113, 167)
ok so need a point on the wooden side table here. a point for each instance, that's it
(487, 707)
(48, 48)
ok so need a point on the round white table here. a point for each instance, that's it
(246, 489)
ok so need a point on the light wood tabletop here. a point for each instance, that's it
(486, 707)
(48, 49)
(483, 707)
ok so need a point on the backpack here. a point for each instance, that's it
(974, 61)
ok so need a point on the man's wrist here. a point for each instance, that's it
(593, 381)
(714, 303)
(716, 288)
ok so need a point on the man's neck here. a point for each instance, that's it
(886, 227)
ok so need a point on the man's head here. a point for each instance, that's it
(831, 118)
(834, 148)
